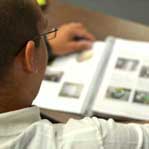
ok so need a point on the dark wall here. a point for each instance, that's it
(135, 10)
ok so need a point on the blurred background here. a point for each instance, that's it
(135, 10)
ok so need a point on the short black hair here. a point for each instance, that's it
(18, 24)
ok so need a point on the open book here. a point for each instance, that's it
(112, 78)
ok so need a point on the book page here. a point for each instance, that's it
(125, 88)
(68, 80)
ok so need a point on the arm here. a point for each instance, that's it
(94, 133)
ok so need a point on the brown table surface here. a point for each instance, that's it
(99, 24)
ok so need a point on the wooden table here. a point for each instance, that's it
(99, 24)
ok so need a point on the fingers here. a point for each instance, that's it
(84, 34)
(78, 30)
(78, 46)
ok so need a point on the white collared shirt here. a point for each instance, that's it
(24, 129)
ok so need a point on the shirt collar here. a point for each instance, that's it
(16, 121)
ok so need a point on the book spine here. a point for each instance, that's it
(100, 72)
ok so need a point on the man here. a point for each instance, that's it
(23, 59)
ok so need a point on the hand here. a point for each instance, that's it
(67, 39)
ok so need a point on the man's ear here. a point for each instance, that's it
(30, 57)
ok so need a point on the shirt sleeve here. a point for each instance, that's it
(94, 133)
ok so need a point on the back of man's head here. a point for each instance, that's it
(18, 24)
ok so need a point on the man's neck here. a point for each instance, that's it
(11, 100)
